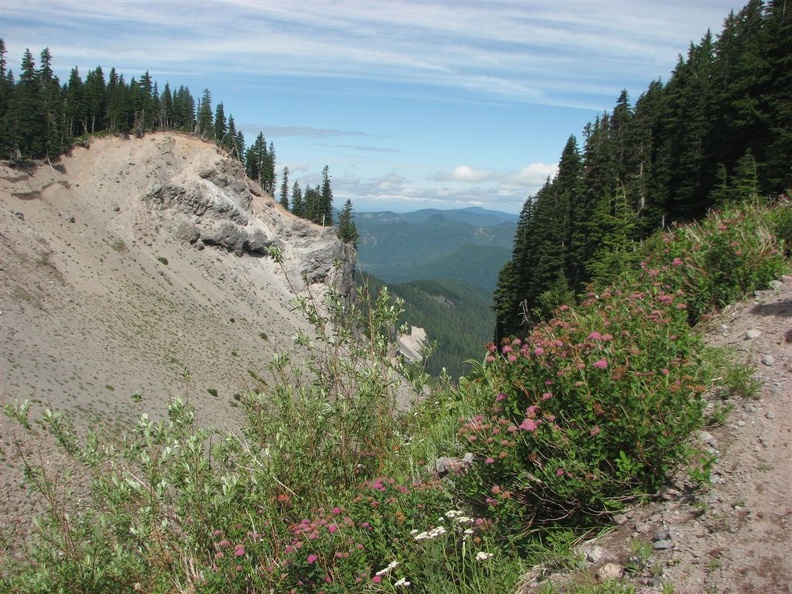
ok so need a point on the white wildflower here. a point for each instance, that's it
(391, 565)
(453, 513)
(433, 533)
(482, 556)
(465, 521)
(402, 583)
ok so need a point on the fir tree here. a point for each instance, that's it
(347, 231)
(284, 191)
(324, 215)
(220, 124)
(298, 205)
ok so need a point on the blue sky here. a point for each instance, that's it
(411, 104)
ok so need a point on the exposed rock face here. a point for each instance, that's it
(411, 345)
(130, 261)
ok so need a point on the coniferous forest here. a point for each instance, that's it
(719, 130)
(40, 118)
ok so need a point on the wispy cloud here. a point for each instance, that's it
(463, 186)
(543, 52)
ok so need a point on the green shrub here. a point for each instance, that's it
(591, 410)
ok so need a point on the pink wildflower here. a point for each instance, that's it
(239, 550)
(601, 364)
(500, 397)
(489, 461)
(560, 472)
(538, 351)
(336, 510)
(547, 396)
(528, 425)
(312, 559)
(595, 336)
(376, 579)
(594, 430)
(332, 528)
(676, 262)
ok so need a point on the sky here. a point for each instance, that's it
(411, 104)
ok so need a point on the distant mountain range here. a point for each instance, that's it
(445, 265)
(469, 245)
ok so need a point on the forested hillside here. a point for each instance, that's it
(468, 245)
(457, 319)
(719, 130)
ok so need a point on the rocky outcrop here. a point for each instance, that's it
(214, 204)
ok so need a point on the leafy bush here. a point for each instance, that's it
(729, 255)
(592, 409)
(595, 406)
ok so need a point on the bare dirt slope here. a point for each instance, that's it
(136, 267)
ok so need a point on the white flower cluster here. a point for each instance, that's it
(392, 565)
(459, 517)
(482, 556)
(402, 583)
(429, 534)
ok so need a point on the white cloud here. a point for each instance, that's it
(535, 174)
(466, 174)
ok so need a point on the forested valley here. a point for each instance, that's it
(719, 130)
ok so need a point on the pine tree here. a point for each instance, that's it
(6, 101)
(204, 127)
(220, 124)
(347, 231)
(27, 118)
(325, 210)
(95, 92)
(298, 205)
(284, 192)
(257, 161)
(76, 106)
(53, 111)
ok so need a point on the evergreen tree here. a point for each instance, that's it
(312, 204)
(231, 140)
(239, 145)
(298, 206)
(51, 95)
(347, 231)
(6, 100)
(76, 106)
(27, 118)
(95, 93)
(166, 108)
(325, 210)
(220, 124)
(204, 127)
(257, 161)
(284, 192)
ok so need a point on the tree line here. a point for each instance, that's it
(719, 130)
(41, 119)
